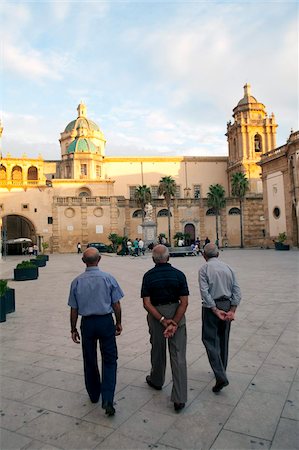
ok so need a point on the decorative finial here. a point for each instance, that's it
(81, 109)
(247, 88)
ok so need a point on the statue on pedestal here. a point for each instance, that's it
(148, 209)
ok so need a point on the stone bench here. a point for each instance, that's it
(181, 251)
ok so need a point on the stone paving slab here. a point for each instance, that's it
(44, 404)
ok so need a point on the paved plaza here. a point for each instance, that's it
(44, 404)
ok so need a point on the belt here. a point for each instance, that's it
(167, 303)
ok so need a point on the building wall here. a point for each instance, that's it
(276, 199)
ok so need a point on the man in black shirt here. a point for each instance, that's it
(165, 297)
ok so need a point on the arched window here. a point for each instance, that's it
(138, 213)
(3, 174)
(163, 213)
(211, 212)
(258, 142)
(32, 173)
(234, 212)
(85, 192)
(16, 175)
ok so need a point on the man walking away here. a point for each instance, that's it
(165, 297)
(220, 295)
(95, 295)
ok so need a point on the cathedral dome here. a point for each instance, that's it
(82, 145)
(248, 98)
(82, 121)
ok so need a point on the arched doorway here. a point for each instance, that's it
(190, 230)
(15, 227)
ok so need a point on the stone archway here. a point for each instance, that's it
(13, 227)
(189, 229)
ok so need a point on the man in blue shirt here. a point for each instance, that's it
(95, 295)
(220, 293)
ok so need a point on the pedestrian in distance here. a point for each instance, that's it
(207, 241)
(136, 247)
(141, 247)
(95, 295)
(221, 294)
(165, 297)
(79, 249)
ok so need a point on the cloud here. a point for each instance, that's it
(31, 63)
(60, 9)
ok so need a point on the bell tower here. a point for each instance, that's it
(251, 134)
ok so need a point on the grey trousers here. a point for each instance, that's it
(215, 337)
(177, 353)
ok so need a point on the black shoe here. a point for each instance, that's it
(179, 406)
(219, 385)
(109, 409)
(152, 385)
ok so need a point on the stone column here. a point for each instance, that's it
(127, 218)
(55, 229)
(176, 218)
(113, 215)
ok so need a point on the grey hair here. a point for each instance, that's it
(211, 250)
(160, 253)
(91, 255)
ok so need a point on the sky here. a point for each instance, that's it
(158, 77)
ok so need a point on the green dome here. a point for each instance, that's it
(82, 122)
(82, 145)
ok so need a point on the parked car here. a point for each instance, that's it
(99, 246)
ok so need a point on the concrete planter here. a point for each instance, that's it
(26, 274)
(281, 246)
(45, 257)
(3, 308)
(39, 262)
(10, 302)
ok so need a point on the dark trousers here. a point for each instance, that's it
(102, 329)
(215, 337)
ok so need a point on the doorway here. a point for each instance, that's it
(189, 229)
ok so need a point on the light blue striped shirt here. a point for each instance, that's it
(217, 279)
(94, 292)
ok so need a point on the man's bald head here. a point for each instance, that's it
(91, 256)
(211, 251)
(160, 254)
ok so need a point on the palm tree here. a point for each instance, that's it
(240, 185)
(143, 196)
(167, 188)
(216, 200)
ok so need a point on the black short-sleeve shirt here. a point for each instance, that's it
(164, 284)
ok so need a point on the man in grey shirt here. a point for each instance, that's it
(220, 295)
(95, 295)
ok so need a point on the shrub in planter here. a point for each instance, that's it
(26, 270)
(45, 257)
(39, 262)
(280, 243)
(3, 290)
(45, 246)
(10, 301)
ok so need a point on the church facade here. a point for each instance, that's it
(86, 195)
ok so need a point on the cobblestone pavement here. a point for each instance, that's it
(44, 404)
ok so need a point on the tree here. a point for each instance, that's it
(216, 200)
(240, 186)
(143, 196)
(167, 188)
